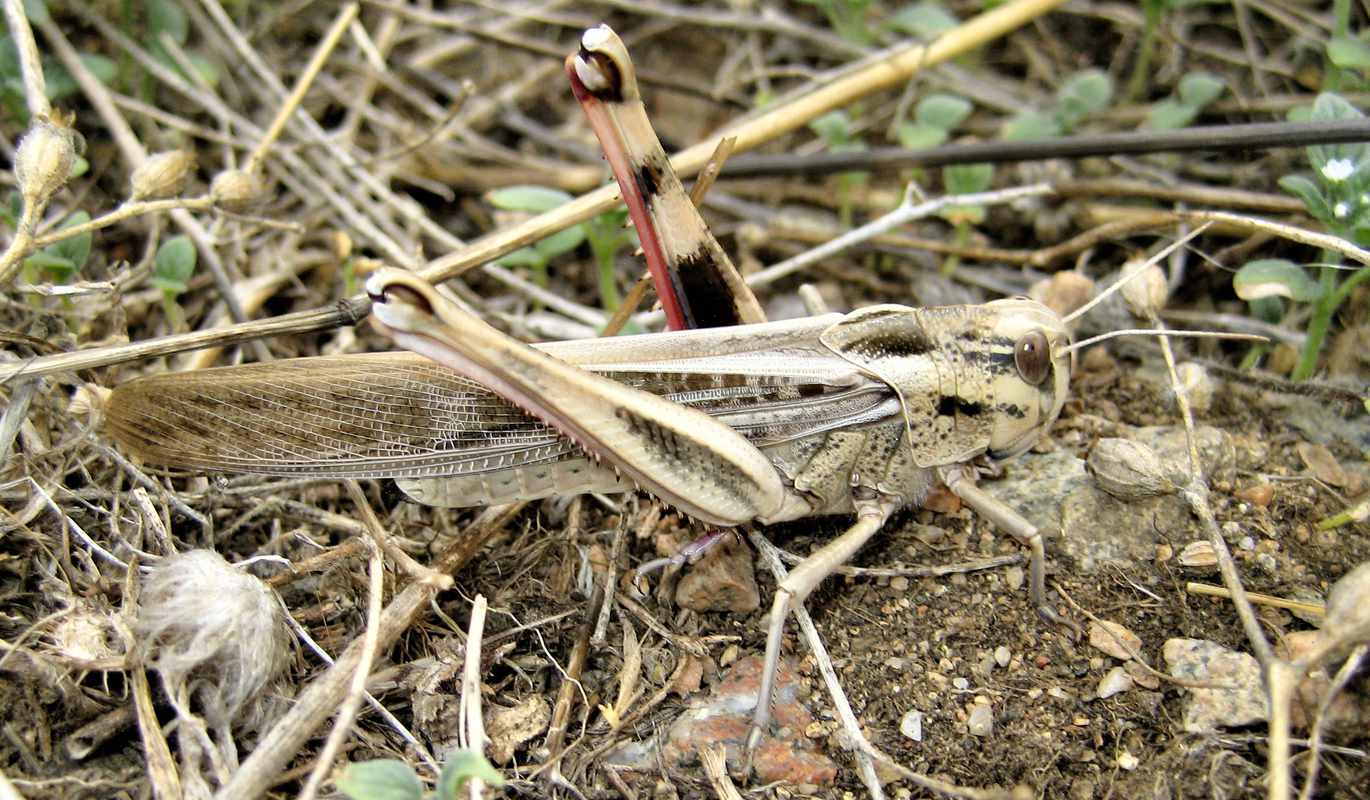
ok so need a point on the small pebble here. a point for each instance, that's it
(899, 583)
(1002, 655)
(1258, 495)
(1348, 602)
(1127, 761)
(1013, 576)
(1114, 639)
(981, 721)
(911, 725)
(1116, 681)
(960, 683)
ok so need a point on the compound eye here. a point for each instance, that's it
(1032, 354)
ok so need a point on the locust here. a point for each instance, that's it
(728, 418)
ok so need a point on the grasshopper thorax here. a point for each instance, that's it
(973, 380)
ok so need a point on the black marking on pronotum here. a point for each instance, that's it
(996, 362)
(950, 406)
(898, 344)
(708, 300)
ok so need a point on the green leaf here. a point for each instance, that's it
(1311, 195)
(833, 127)
(917, 136)
(174, 264)
(1031, 125)
(1269, 309)
(967, 178)
(60, 84)
(1083, 93)
(37, 12)
(1348, 52)
(943, 111)
(1275, 277)
(535, 199)
(1198, 89)
(563, 241)
(522, 257)
(382, 779)
(65, 258)
(924, 21)
(1300, 113)
(167, 16)
(462, 766)
(207, 70)
(1330, 107)
(1170, 114)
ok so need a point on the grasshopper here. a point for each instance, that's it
(756, 422)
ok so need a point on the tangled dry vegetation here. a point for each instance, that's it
(245, 165)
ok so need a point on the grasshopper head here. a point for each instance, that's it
(1030, 390)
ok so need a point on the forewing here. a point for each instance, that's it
(397, 415)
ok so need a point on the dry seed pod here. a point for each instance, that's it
(1063, 292)
(161, 174)
(1144, 294)
(236, 189)
(44, 159)
(1128, 470)
(1198, 554)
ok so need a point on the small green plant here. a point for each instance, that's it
(605, 234)
(964, 179)
(167, 18)
(1195, 91)
(838, 130)
(60, 261)
(171, 270)
(537, 200)
(1085, 92)
(1338, 196)
(1153, 12)
(934, 118)
(923, 21)
(1348, 55)
(58, 81)
(388, 779)
(847, 18)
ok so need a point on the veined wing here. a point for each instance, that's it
(398, 415)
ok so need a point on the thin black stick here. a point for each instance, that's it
(1256, 135)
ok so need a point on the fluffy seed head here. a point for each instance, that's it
(206, 626)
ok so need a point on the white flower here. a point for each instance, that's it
(1338, 169)
(1340, 210)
